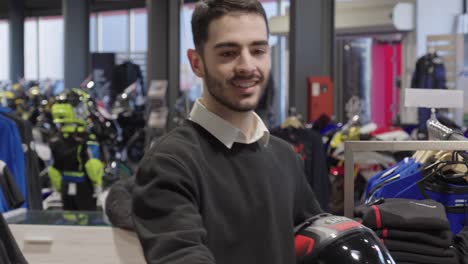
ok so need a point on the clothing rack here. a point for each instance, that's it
(351, 147)
(441, 138)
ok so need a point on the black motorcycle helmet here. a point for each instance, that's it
(329, 239)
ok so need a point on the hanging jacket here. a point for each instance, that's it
(11, 193)
(308, 144)
(11, 152)
(124, 75)
(429, 73)
(31, 159)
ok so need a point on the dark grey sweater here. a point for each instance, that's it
(196, 201)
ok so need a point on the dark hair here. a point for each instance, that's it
(208, 10)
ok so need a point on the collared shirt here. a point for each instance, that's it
(225, 131)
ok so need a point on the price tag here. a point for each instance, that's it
(72, 189)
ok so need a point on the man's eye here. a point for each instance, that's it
(227, 54)
(258, 51)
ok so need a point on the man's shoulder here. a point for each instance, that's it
(282, 149)
(182, 138)
(280, 144)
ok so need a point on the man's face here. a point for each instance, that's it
(236, 62)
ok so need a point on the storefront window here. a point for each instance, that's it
(139, 26)
(4, 59)
(51, 48)
(93, 37)
(31, 55)
(189, 83)
(281, 71)
(271, 9)
(114, 35)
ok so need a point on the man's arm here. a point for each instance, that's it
(306, 204)
(166, 213)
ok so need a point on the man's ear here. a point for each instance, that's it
(196, 62)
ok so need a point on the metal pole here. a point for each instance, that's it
(131, 39)
(349, 182)
(76, 46)
(16, 10)
(163, 61)
(38, 54)
(311, 43)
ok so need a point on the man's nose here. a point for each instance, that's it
(245, 65)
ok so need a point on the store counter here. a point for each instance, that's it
(66, 237)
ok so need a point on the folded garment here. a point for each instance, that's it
(405, 214)
(400, 257)
(418, 248)
(441, 239)
(461, 244)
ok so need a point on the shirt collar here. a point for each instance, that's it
(225, 131)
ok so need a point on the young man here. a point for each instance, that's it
(220, 189)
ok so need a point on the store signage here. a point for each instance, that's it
(433, 98)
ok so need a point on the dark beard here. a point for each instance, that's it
(212, 84)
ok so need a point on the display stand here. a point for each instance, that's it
(352, 147)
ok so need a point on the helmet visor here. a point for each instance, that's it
(360, 248)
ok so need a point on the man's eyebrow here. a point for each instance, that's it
(226, 45)
(235, 45)
(260, 43)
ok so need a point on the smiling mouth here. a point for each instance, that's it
(244, 84)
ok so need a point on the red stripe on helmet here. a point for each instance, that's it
(378, 217)
(303, 245)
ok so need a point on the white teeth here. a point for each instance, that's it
(245, 85)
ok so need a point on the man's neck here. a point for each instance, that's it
(244, 121)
